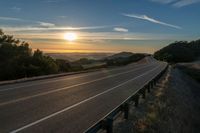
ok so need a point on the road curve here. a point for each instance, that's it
(70, 104)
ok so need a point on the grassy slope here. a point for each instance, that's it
(174, 106)
(191, 69)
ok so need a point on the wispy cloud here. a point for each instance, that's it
(49, 27)
(52, 1)
(145, 17)
(17, 9)
(10, 19)
(163, 1)
(94, 36)
(182, 3)
(177, 3)
(84, 27)
(45, 24)
(120, 29)
(42, 24)
(62, 17)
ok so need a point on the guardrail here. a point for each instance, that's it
(106, 123)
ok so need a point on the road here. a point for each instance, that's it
(70, 104)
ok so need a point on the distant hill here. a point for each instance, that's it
(78, 56)
(181, 51)
(123, 58)
(120, 55)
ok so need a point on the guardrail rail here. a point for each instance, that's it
(106, 123)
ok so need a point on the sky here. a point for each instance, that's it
(142, 26)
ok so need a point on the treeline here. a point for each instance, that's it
(118, 61)
(17, 60)
(181, 51)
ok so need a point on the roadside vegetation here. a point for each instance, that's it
(191, 71)
(181, 51)
(172, 107)
(18, 60)
(118, 60)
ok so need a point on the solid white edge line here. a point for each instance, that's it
(70, 107)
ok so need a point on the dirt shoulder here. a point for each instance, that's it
(172, 107)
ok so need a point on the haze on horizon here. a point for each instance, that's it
(100, 26)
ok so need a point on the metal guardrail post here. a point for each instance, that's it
(136, 99)
(154, 82)
(144, 93)
(126, 110)
(107, 122)
(109, 125)
(148, 88)
(151, 84)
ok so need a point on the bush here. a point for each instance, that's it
(64, 65)
(118, 61)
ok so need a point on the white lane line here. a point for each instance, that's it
(88, 99)
(65, 88)
(61, 79)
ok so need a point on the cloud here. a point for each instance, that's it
(45, 24)
(62, 17)
(10, 19)
(52, 1)
(94, 36)
(177, 3)
(49, 27)
(182, 3)
(83, 28)
(119, 29)
(163, 1)
(16, 8)
(145, 17)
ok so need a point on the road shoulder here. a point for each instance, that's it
(173, 106)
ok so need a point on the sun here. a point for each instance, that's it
(70, 36)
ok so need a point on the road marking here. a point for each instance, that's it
(65, 88)
(123, 101)
(88, 99)
(50, 81)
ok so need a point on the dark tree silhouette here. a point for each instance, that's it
(18, 60)
(181, 51)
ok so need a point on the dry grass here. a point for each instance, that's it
(173, 107)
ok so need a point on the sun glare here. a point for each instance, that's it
(70, 36)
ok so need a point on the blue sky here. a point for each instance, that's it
(101, 25)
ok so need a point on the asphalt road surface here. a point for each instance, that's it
(70, 104)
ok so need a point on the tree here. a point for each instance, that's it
(18, 61)
(63, 65)
(179, 52)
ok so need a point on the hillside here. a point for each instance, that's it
(181, 51)
(120, 55)
(77, 56)
(172, 107)
(123, 58)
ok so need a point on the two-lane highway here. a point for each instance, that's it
(70, 103)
